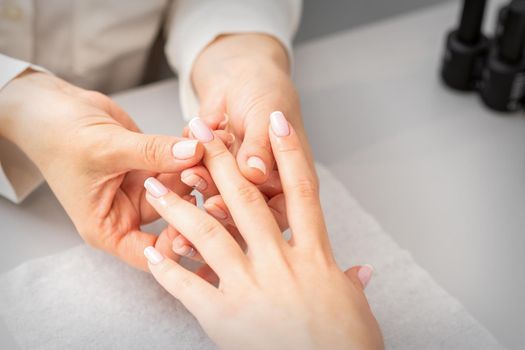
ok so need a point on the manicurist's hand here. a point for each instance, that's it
(95, 160)
(280, 295)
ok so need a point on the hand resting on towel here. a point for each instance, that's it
(280, 294)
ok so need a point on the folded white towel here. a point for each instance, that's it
(85, 299)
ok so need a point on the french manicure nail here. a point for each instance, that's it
(365, 274)
(178, 242)
(155, 187)
(153, 255)
(279, 124)
(256, 163)
(200, 130)
(184, 250)
(184, 149)
(217, 212)
(193, 180)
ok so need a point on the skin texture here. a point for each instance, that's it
(95, 159)
(82, 140)
(240, 79)
(280, 295)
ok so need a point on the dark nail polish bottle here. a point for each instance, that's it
(502, 86)
(466, 48)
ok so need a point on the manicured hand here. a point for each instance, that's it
(281, 294)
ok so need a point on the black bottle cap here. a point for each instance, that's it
(465, 48)
(513, 35)
(469, 31)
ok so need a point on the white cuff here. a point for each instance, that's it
(194, 24)
(18, 175)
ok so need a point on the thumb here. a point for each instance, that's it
(155, 153)
(360, 275)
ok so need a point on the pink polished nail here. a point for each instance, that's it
(155, 187)
(256, 163)
(200, 130)
(153, 255)
(279, 124)
(184, 149)
(185, 250)
(217, 212)
(365, 274)
(193, 180)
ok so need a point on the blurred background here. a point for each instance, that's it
(325, 17)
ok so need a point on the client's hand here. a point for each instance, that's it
(95, 160)
(281, 295)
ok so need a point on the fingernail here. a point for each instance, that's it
(217, 212)
(279, 124)
(200, 130)
(184, 149)
(184, 250)
(155, 187)
(178, 242)
(256, 163)
(193, 180)
(365, 274)
(153, 255)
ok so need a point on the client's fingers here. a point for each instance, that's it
(164, 243)
(360, 275)
(299, 185)
(199, 179)
(255, 156)
(183, 247)
(216, 207)
(244, 200)
(194, 292)
(278, 206)
(214, 243)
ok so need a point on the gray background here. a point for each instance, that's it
(322, 17)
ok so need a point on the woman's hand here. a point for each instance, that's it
(240, 79)
(95, 160)
(280, 295)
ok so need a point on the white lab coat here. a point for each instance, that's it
(104, 45)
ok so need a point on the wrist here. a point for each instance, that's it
(230, 57)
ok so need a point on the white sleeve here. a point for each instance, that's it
(193, 24)
(18, 175)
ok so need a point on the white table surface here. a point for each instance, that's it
(442, 174)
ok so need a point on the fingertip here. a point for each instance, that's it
(365, 274)
(153, 256)
(253, 168)
(279, 124)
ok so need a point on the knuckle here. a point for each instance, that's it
(151, 150)
(207, 229)
(260, 142)
(285, 147)
(306, 189)
(172, 275)
(248, 193)
(216, 154)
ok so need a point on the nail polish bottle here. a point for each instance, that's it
(502, 85)
(466, 48)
